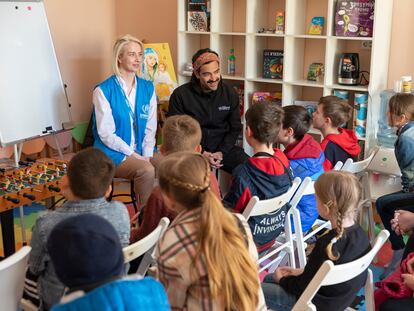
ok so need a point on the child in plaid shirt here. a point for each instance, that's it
(207, 257)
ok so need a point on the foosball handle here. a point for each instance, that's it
(13, 200)
(29, 196)
(54, 188)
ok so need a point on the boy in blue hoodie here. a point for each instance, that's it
(338, 144)
(266, 175)
(305, 156)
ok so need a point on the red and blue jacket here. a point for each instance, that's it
(266, 177)
(306, 158)
(340, 147)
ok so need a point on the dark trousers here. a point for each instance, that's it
(387, 205)
(409, 247)
(233, 158)
(398, 305)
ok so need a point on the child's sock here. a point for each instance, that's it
(396, 259)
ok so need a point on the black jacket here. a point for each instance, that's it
(218, 113)
(353, 245)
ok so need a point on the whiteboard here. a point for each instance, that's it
(32, 96)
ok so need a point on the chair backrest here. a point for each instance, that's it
(360, 166)
(338, 166)
(146, 244)
(330, 274)
(12, 272)
(257, 207)
(305, 188)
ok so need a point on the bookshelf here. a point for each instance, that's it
(235, 24)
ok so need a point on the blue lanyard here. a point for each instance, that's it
(131, 113)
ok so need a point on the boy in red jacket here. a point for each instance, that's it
(339, 144)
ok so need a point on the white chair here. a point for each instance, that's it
(360, 169)
(257, 207)
(307, 187)
(338, 166)
(145, 246)
(12, 272)
(330, 274)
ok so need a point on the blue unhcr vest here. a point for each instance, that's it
(121, 114)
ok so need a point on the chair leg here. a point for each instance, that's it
(21, 211)
(134, 197)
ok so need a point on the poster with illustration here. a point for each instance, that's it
(158, 68)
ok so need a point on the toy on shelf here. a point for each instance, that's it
(274, 97)
(280, 23)
(317, 24)
(316, 72)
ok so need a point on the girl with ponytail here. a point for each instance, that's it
(338, 198)
(206, 258)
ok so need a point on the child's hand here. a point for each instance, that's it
(280, 273)
(408, 280)
(410, 265)
(134, 219)
(405, 220)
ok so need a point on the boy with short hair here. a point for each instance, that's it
(86, 185)
(266, 175)
(305, 156)
(180, 133)
(338, 144)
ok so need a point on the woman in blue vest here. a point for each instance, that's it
(125, 117)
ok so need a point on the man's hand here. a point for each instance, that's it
(214, 158)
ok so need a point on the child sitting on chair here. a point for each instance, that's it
(266, 174)
(401, 115)
(305, 156)
(338, 144)
(180, 133)
(87, 257)
(206, 259)
(85, 187)
(338, 196)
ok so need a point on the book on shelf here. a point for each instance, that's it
(273, 64)
(198, 15)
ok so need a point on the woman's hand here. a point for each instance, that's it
(139, 157)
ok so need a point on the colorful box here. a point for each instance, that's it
(354, 18)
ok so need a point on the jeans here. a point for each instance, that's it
(276, 297)
(387, 205)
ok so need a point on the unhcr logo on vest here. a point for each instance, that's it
(144, 111)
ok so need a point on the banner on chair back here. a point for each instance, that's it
(266, 228)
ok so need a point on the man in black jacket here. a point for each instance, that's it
(215, 105)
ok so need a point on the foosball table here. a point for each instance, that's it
(32, 181)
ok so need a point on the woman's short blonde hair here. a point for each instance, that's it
(117, 50)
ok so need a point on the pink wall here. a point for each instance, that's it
(402, 41)
(84, 31)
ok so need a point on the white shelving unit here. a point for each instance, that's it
(235, 24)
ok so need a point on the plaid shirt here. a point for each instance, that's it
(175, 253)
